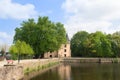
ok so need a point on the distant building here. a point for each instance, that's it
(64, 51)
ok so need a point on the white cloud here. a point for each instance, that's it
(5, 38)
(9, 9)
(91, 15)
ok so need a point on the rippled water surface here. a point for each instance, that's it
(82, 71)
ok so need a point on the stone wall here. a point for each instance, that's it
(34, 63)
(51, 54)
(91, 60)
(11, 73)
(17, 71)
(64, 51)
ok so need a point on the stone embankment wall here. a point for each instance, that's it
(17, 71)
(34, 63)
(91, 60)
(11, 73)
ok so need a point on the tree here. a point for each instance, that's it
(77, 43)
(3, 49)
(20, 48)
(43, 35)
(115, 42)
(91, 45)
(99, 46)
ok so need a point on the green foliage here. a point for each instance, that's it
(95, 44)
(100, 44)
(115, 41)
(20, 48)
(43, 35)
(115, 60)
(3, 51)
(26, 71)
(78, 45)
(39, 67)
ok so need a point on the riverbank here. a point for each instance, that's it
(38, 72)
(91, 60)
(36, 67)
(27, 69)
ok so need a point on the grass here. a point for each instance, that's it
(38, 68)
(115, 60)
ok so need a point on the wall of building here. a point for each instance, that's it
(34, 63)
(64, 51)
(51, 54)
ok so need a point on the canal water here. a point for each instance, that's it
(82, 71)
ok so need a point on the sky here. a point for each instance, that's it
(76, 15)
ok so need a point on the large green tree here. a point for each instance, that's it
(100, 45)
(78, 45)
(115, 41)
(20, 49)
(91, 45)
(43, 35)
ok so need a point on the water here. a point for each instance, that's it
(82, 71)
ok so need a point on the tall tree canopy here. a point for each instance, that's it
(95, 44)
(100, 45)
(77, 43)
(43, 35)
(115, 41)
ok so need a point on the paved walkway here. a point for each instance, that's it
(2, 63)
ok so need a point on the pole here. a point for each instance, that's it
(18, 58)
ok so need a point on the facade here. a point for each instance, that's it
(64, 51)
(51, 55)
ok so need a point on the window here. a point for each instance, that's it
(64, 55)
(65, 45)
(65, 50)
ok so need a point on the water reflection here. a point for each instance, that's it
(64, 72)
(84, 71)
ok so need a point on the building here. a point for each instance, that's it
(64, 51)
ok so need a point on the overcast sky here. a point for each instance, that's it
(76, 15)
